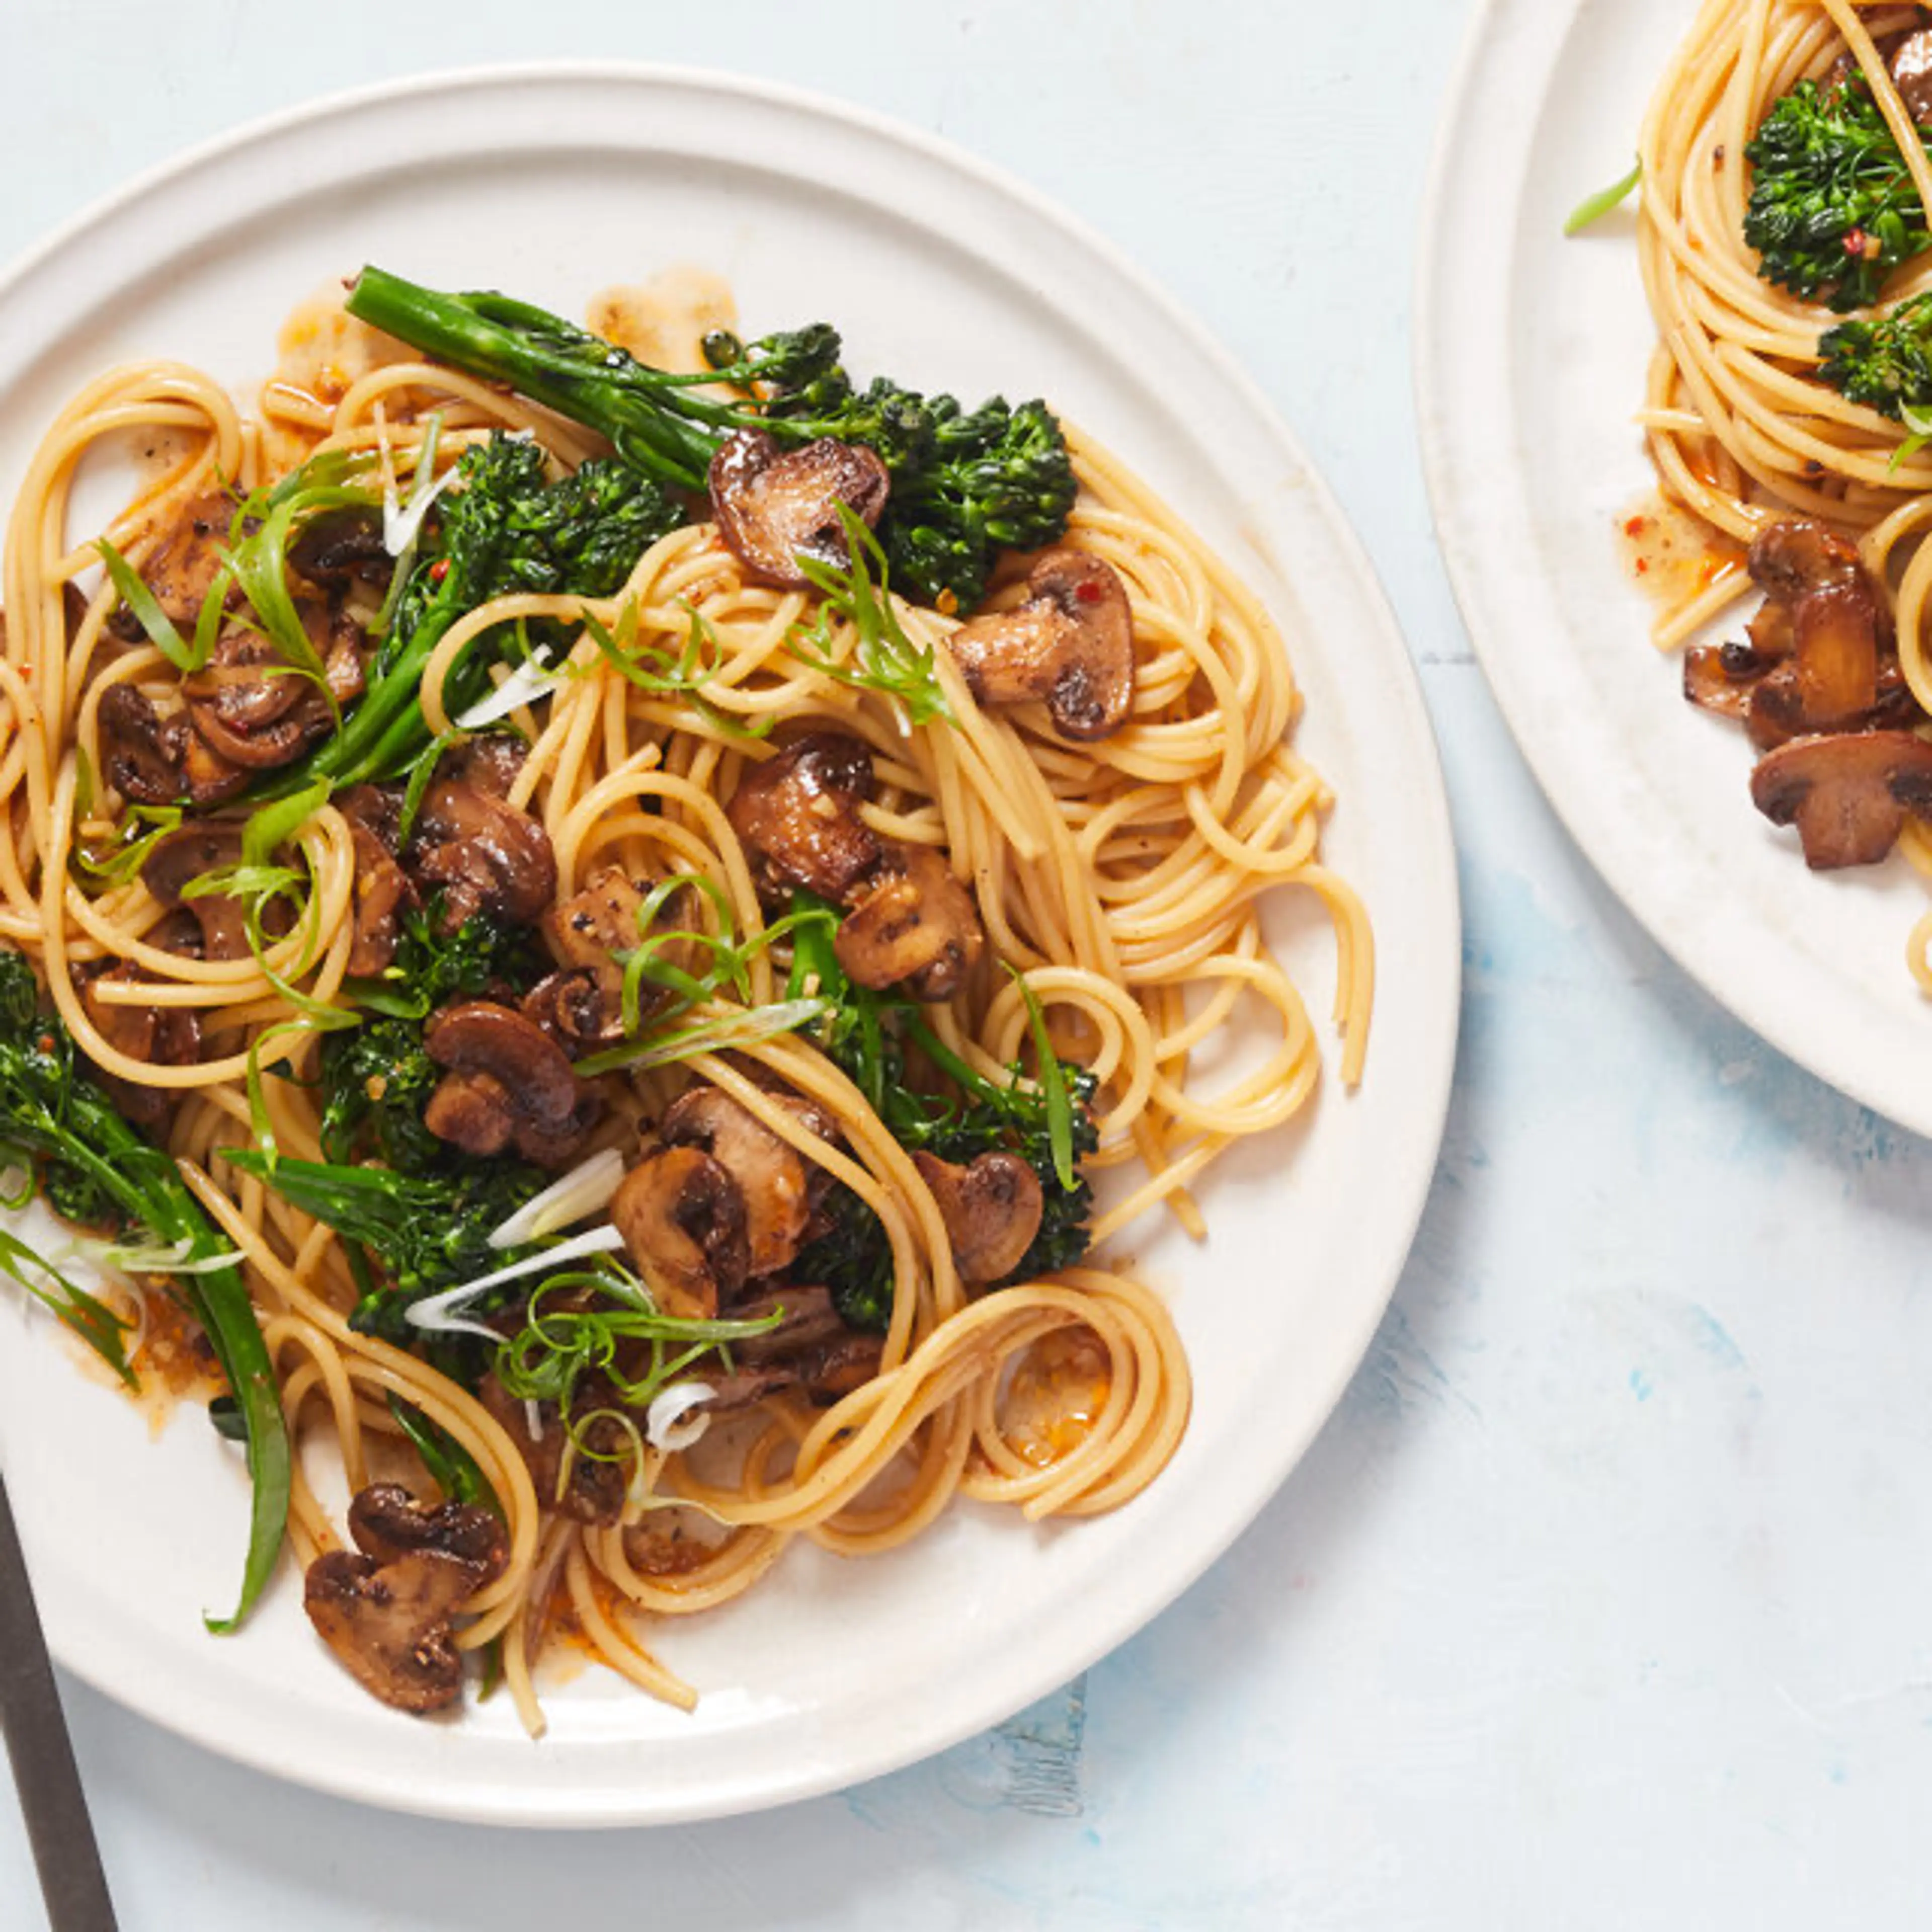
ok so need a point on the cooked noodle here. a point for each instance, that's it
(1125, 879)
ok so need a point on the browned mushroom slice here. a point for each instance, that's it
(390, 1622)
(140, 752)
(486, 855)
(167, 1036)
(1847, 794)
(508, 1084)
(342, 547)
(490, 762)
(674, 1541)
(211, 778)
(812, 1348)
(1719, 677)
(1070, 645)
(245, 687)
(797, 817)
(387, 1522)
(1789, 559)
(1836, 631)
(382, 888)
(1912, 74)
(183, 856)
(682, 1217)
(913, 921)
(775, 1181)
(593, 1492)
(181, 569)
(774, 507)
(991, 1208)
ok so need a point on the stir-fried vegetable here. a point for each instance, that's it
(96, 1170)
(965, 483)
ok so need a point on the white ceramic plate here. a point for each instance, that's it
(1531, 352)
(950, 276)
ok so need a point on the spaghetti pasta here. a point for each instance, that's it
(1122, 880)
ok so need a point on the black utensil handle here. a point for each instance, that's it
(54, 1807)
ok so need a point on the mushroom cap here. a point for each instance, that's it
(389, 1622)
(992, 1208)
(139, 752)
(1836, 630)
(592, 1490)
(1798, 554)
(383, 889)
(1070, 645)
(387, 1522)
(912, 921)
(508, 1080)
(342, 546)
(207, 845)
(1912, 74)
(682, 1217)
(167, 1036)
(774, 1181)
(181, 568)
(797, 816)
(485, 853)
(774, 506)
(1847, 792)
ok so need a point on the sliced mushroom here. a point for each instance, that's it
(210, 778)
(387, 1522)
(914, 922)
(682, 1217)
(775, 506)
(167, 1036)
(340, 546)
(1070, 645)
(574, 1010)
(490, 762)
(595, 924)
(1789, 559)
(207, 846)
(140, 752)
(390, 1622)
(992, 1210)
(1912, 74)
(778, 1185)
(1720, 677)
(252, 709)
(484, 854)
(1837, 630)
(181, 569)
(509, 1083)
(797, 817)
(674, 1541)
(382, 888)
(593, 1492)
(1847, 794)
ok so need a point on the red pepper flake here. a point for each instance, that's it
(46, 1042)
(1637, 526)
(946, 604)
(439, 570)
(1643, 566)
(1087, 591)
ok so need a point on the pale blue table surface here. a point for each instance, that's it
(1602, 1600)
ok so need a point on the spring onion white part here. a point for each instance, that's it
(433, 1314)
(533, 679)
(578, 1195)
(664, 1425)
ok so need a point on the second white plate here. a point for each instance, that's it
(1531, 355)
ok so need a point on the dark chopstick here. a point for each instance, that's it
(34, 1727)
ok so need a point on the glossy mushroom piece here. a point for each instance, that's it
(385, 1608)
(776, 1184)
(483, 852)
(1069, 645)
(508, 1085)
(682, 1216)
(382, 891)
(774, 506)
(992, 1207)
(164, 1036)
(1912, 74)
(1847, 793)
(812, 1348)
(911, 922)
(208, 845)
(797, 815)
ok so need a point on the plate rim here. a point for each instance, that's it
(1429, 1083)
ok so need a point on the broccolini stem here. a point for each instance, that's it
(500, 340)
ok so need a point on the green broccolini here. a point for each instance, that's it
(97, 1170)
(503, 527)
(1885, 363)
(865, 1036)
(1833, 210)
(965, 484)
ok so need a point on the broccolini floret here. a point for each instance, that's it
(1885, 363)
(1833, 210)
(965, 484)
